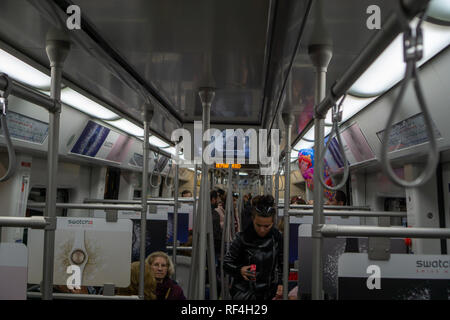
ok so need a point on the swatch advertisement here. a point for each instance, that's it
(13, 271)
(402, 277)
(97, 141)
(102, 251)
(155, 234)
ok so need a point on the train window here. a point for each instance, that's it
(396, 204)
(137, 194)
(112, 183)
(38, 195)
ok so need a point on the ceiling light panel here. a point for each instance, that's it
(80, 102)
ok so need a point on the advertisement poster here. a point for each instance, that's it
(409, 132)
(182, 231)
(101, 250)
(99, 142)
(13, 271)
(25, 128)
(155, 235)
(402, 277)
(137, 160)
(355, 146)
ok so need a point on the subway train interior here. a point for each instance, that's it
(151, 119)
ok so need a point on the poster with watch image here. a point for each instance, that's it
(102, 251)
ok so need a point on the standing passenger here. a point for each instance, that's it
(259, 245)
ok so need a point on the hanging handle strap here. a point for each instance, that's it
(4, 126)
(170, 186)
(337, 117)
(412, 52)
(157, 173)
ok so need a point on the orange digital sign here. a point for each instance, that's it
(226, 165)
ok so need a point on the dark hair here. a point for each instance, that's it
(221, 192)
(185, 192)
(213, 194)
(263, 206)
(341, 197)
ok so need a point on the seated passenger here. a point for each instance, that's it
(339, 199)
(259, 245)
(158, 284)
(186, 194)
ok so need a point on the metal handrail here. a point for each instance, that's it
(307, 140)
(87, 206)
(73, 296)
(180, 248)
(149, 200)
(22, 222)
(355, 213)
(331, 207)
(333, 230)
(4, 127)
(337, 117)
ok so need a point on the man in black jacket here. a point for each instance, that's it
(260, 245)
(217, 230)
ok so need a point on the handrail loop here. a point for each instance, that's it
(412, 52)
(336, 118)
(158, 173)
(281, 166)
(4, 126)
(171, 185)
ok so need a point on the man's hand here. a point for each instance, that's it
(245, 273)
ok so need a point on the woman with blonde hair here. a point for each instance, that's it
(158, 284)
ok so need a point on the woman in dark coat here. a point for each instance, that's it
(158, 284)
(261, 245)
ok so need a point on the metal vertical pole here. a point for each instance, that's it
(211, 255)
(265, 185)
(194, 274)
(277, 193)
(57, 48)
(194, 193)
(193, 270)
(240, 202)
(320, 53)
(228, 222)
(233, 210)
(147, 115)
(320, 56)
(288, 121)
(175, 222)
(270, 184)
(318, 218)
(206, 97)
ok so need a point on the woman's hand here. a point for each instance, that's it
(245, 273)
(279, 291)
